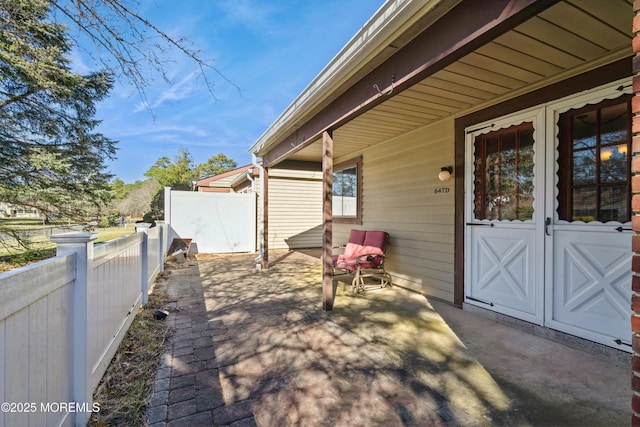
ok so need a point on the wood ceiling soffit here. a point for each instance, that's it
(465, 67)
(469, 81)
(502, 53)
(585, 25)
(549, 34)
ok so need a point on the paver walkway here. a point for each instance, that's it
(255, 348)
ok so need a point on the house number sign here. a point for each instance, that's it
(441, 190)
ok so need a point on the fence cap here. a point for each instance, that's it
(73, 237)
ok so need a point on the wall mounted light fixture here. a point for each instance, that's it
(445, 173)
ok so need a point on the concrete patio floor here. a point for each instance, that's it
(255, 348)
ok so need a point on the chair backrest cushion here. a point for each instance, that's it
(375, 242)
(354, 245)
(357, 236)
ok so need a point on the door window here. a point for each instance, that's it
(504, 174)
(594, 165)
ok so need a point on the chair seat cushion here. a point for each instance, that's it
(348, 264)
(361, 242)
(351, 264)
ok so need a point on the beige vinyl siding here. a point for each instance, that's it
(295, 210)
(399, 181)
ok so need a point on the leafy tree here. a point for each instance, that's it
(119, 189)
(215, 166)
(50, 156)
(178, 173)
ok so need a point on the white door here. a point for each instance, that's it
(550, 242)
(504, 263)
(592, 278)
(589, 286)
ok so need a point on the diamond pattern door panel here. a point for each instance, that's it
(503, 269)
(592, 282)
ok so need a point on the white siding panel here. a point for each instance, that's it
(295, 213)
(400, 177)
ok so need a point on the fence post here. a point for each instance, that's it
(143, 227)
(80, 244)
(167, 204)
(161, 244)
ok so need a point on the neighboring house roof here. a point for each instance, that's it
(223, 182)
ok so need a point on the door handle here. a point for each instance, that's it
(547, 223)
(481, 224)
(621, 229)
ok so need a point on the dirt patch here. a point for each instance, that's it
(126, 385)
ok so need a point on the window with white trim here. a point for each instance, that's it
(346, 191)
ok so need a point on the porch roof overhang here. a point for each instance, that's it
(415, 63)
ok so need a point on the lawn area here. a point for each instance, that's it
(12, 255)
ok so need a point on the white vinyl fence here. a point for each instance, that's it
(62, 319)
(215, 222)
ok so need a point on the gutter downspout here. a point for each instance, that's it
(252, 179)
(260, 257)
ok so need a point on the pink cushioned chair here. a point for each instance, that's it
(364, 256)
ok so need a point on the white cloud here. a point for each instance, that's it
(247, 11)
(178, 90)
(78, 63)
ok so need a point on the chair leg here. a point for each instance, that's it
(385, 280)
(357, 284)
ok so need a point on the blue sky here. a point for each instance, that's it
(270, 49)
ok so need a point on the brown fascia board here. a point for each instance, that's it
(463, 29)
(206, 181)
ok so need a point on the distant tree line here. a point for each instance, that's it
(144, 199)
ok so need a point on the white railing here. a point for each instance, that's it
(62, 320)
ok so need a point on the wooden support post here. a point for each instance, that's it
(635, 219)
(327, 218)
(265, 219)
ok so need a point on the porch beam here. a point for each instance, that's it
(327, 221)
(462, 30)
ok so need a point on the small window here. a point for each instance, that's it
(595, 165)
(504, 174)
(346, 191)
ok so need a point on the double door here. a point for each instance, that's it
(547, 236)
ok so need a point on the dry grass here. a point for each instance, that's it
(12, 255)
(125, 387)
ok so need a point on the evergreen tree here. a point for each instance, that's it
(51, 158)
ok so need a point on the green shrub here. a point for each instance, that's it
(109, 221)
